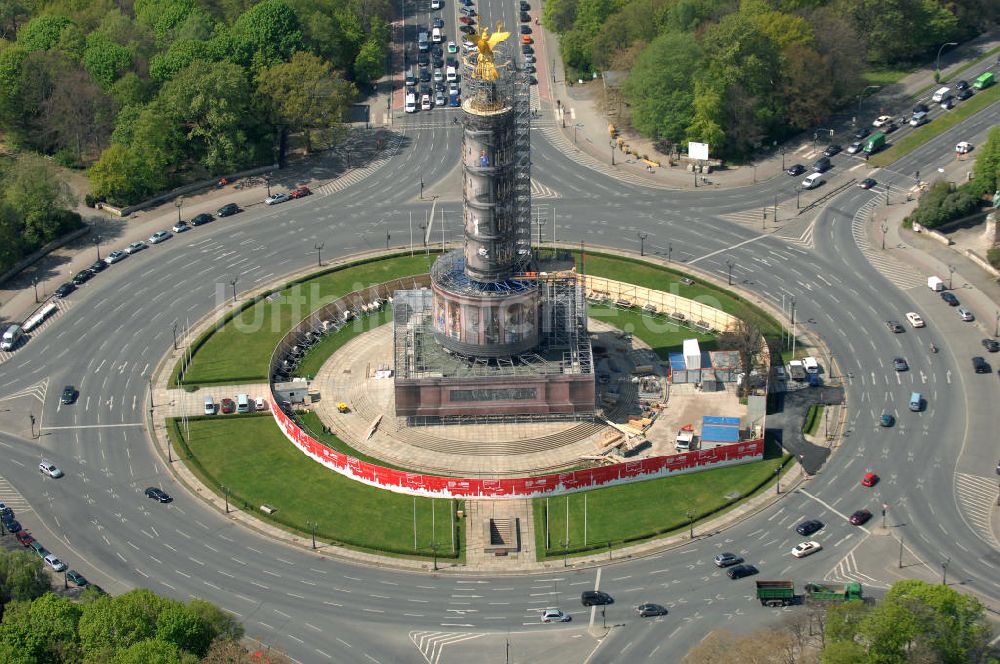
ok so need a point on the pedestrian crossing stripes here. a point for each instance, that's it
(896, 272)
(356, 175)
(61, 307)
(10, 496)
(541, 191)
(554, 135)
(432, 644)
(806, 239)
(37, 391)
(977, 497)
(762, 217)
(846, 571)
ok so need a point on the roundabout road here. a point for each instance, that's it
(321, 609)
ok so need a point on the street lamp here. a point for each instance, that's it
(319, 253)
(232, 282)
(225, 493)
(387, 238)
(730, 264)
(31, 417)
(670, 250)
(267, 181)
(798, 190)
(937, 62)
(951, 275)
(885, 229)
(175, 336)
(565, 546)
(97, 243)
(434, 548)
(642, 243)
(777, 480)
(782, 157)
(690, 517)
(575, 127)
(612, 144)
(34, 282)
(944, 570)
(178, 203)
(312, 527)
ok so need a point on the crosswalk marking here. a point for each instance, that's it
(541, 191)
(977, 497)
(37, 391)
(899, 274)
(356, 175)
(12, 498)
(431, 644)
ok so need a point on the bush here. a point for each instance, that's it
(993, 256)
(941, 204)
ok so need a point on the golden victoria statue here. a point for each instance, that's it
(485, 69)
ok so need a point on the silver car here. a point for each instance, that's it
(135, 247)
(160, 236)
(965, 314)
(115, 256)
(49, 469)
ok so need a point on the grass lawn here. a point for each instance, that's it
(886, 76)
(258, 465)
(240, 350)
(813, 418)
(634, 512)
(938, 125)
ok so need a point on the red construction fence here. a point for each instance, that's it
(516, 487)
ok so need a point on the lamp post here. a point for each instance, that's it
(642, 243)
(565, 546)
(348, 151)
(944, 570)
(387, 236)
(997, 332)
(798, 190)
(730, 264)
(782, 157)
(885, 229)
(319, 253)
(937, 61)
(777, 480)
(951, 275)
(34, 283)
(175, 336)
(225, 493)
(690, 517)
(178, 203)
(232, 282)
(612, 144)
(434, 548)
(31, 418)
(421, 187)
(670, 250)
(312, 529)
(575, 127)
(267, 181)
(97, 243)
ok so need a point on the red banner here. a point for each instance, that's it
(515, 487)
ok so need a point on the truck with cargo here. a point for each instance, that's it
(776, 593)
(984, 80)
(874, 143)
(844, 592)
(796, 370)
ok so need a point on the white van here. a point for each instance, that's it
(941, 94)
(451, 74)
(425, 103)
(242, 403)
(936, 284)
(810, 364)
(436, 35)
(11, 337)
(209, 406)
(813, 180)
(411, 103)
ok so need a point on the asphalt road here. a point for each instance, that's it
(320, 609)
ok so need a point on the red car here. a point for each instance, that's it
(870, 479)
(300, 192)
(25, 538)
(228, 406)
(860, 517)
(466, 20)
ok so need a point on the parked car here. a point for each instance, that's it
(860, 517)
(832, 149)
(228, 210)
(992, 345)
(52, 561)
(50, 469)
(160, 236)
(727, 559)
(795, 169)
(24, 538)
(979, 365)
(551, 615)
(870, 479)
(202, 218)
(135, 247)
(157, 494)
(115, 256)
(39, 550)
(740, 571)
(76, 578)
(82, 277)
(12, 525)
(966, 315)
(228, 406)
(806, 549)
(525, 29)
(277, 197)
(647, 610)
(65, 289)
(69, 394)
(950, 298)
(98, 266)
(807, 528)
(301, 192)
(180, 227)
(595, 598)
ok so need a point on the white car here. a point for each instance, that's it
(278, 197)
(180, 227)
(963, 148)
(135, 247)
(914, 319)
(160, 236)
(55, 563)
(49, 469)
(114, 257)
(882, 120)
(554, 615)
(469, 46)
(806, 548)
(435, 4)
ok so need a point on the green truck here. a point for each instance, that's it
(984, 80)
(874, 143)
(817, 592)
(776, 593)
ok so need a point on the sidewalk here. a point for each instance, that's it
(592, 133)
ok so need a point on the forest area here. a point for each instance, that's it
(741, 75)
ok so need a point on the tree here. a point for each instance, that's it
(559, 15)
(42, 630)
(807, 85)
(179, 55)
(12, 14)
(745, 338)
(266, 34)
(42, 33)
(36, 194)
(706, 126)
(306, 95)
(77, 115)
(220, 623)
(370, 63)
(660, 89)
(21, 574)
(105, 59)
(116, 623)
(149, 651)
(184, 628)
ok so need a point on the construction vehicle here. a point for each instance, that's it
(342, 407)
(817, 592)
(776, 593)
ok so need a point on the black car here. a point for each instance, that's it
(821, 165)
(159, 495)
(921, 108)
(889, 127)
(524, 17)
(82, 277)
(867, 183)
(98, 266)
(860, 517)
(526, 48)
(795, 169)
(202, 218)
(525, 6)
(228, 209)
(12, 525)
(992, 345)
(964, 94)
(832, 149)
(962, 85)
(862, 133)
(423, 58)
(894, 326)
(740, 571)
(979, 365)
(68, 395)
(466, 29)
(525, 29)
(950, 298)
(438, 22)
(65, 289)
(899, 364)
(595, 598)
(807, 528)
(647, 610)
